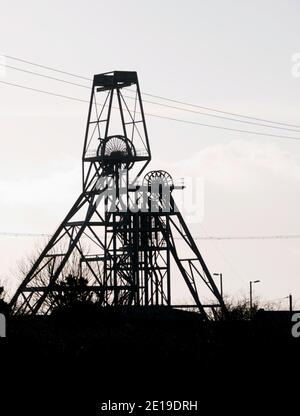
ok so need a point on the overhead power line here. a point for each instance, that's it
(156, 115)
(222, 111)
(251, 237)
(4, 234)
(158, 96)
(46, 76)
(219, 117)
(156, 103)
(68, 97)
(46, 67)
(224, 128)
(224, 237)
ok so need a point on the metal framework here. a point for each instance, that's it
(121, 228)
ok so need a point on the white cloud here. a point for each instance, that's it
(241, 162)
(56, 187)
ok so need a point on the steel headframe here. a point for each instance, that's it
(120, 231)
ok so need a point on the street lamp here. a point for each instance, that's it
(221, 283)
(290, 298)
(251, 283)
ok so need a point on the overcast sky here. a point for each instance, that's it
(229, 55)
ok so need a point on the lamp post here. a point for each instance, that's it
(290, 298)
(291, 303)
(221, 282)
(251, 292)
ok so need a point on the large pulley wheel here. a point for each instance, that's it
(159, 183)
(116, 151)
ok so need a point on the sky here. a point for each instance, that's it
(227, 55)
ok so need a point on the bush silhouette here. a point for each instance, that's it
(71, 291)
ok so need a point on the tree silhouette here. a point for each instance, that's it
(72, 287)
(3, 304)
(238, 310)
(71, 291)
